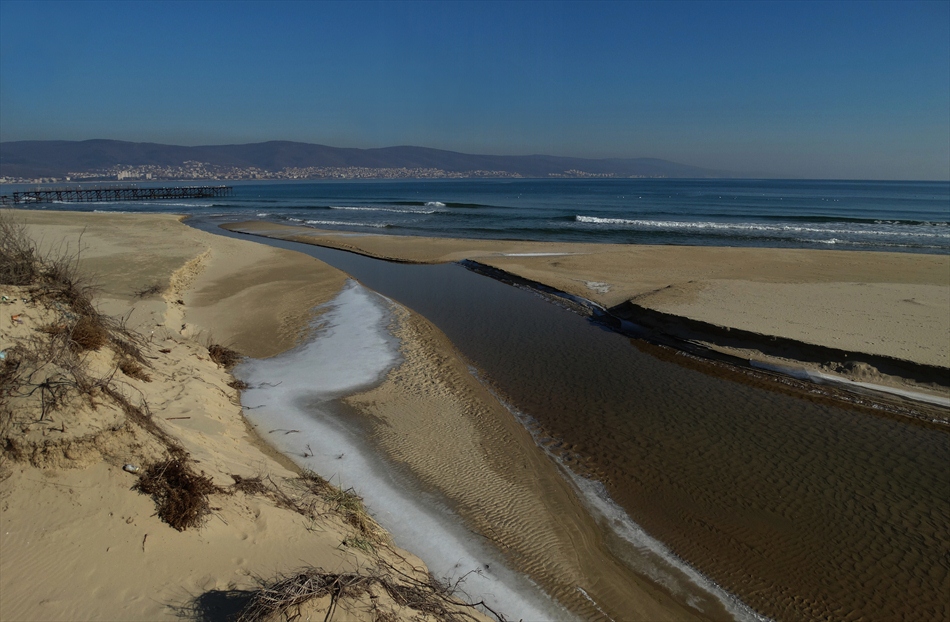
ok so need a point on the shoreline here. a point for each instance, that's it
(666, 306)
(211, 285)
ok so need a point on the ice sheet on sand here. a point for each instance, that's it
(292, 400)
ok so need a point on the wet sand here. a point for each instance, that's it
(461, 443)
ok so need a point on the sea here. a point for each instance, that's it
(896, 216)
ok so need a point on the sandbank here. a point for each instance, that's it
(892, 306)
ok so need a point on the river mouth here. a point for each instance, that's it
(803, 509)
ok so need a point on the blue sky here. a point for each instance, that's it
(857, 90)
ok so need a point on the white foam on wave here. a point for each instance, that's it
(179, 204)
(340, 223)
(754, 227)
(435, 204)
(292, 401)
(383, 209)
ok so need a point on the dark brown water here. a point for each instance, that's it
(805, 510)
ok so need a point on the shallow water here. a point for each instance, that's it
(804, 510)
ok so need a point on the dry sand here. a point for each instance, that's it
(77, 542)
(885, 304)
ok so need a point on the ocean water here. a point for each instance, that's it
(856, 215)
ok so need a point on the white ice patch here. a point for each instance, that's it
(802, 373)
(292, 401)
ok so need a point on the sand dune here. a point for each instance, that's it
(77, 542)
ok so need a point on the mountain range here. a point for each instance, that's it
(56, 158)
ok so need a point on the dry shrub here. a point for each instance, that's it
(180, 493)
(46, 364)
(19, 260)
(427, 597)
(223, 355)
(89, 334)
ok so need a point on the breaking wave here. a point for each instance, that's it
(882, 229)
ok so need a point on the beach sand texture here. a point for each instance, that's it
(77, 542)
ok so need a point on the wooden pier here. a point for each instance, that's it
(98, 195)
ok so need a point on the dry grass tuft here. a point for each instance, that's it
(350, 505)
(149, 290)
(88, 334)
(249, 485)
(180, 493)
(224, 356)
(19, 260)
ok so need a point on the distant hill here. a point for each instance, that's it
(56, 158)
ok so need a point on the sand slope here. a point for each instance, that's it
(77, 542)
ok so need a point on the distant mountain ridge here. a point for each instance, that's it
(56, 158)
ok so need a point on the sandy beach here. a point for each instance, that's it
(889, 305)
(79, 543)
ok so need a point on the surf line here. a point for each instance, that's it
(352, 350)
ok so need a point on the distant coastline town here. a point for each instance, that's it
(192, 171)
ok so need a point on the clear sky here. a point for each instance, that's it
(857, 90)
